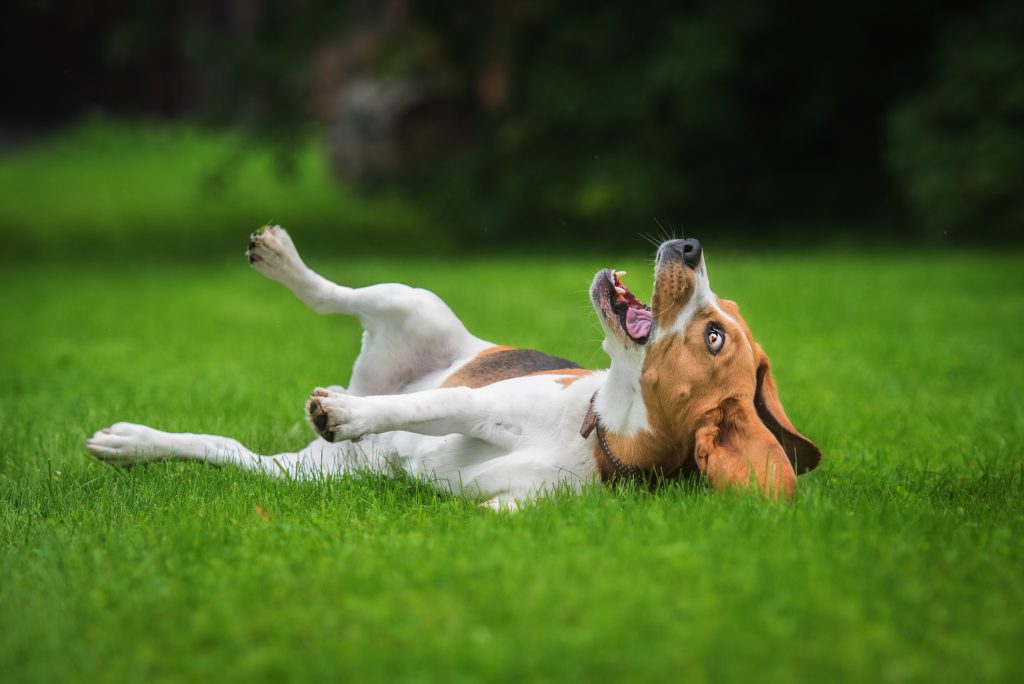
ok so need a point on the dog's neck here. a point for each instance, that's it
(628, 446)
(619, 401)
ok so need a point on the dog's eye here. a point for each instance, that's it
(714, 337)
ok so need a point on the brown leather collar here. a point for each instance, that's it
(625, 472)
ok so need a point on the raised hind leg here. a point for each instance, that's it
(410, 332)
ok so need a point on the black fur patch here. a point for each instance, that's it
(490, 367)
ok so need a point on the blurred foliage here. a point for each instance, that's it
(104, 189)
(742, 115)
(615, 117)
(957, 147)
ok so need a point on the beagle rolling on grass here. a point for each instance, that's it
(689, 391)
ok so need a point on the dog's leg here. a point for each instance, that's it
(272, 253)
(438, 412)
(467, 441)
(129, 444)
(410, 332)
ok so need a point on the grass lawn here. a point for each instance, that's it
(901, 560)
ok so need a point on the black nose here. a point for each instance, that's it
(689, 250)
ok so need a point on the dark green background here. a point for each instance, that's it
(774, 121)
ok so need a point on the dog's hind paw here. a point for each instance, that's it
(272, 253)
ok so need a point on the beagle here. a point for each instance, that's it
(689, 391)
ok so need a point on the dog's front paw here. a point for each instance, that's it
(127, 443)
(337, 417)
(272, 253)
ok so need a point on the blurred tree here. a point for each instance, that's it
(732, 112)
(537, 118)
(957, 145)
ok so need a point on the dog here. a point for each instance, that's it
(688, 393)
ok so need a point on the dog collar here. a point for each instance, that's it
(592, 422)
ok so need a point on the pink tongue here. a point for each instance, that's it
(638, 322)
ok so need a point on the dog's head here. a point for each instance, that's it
(689, 388)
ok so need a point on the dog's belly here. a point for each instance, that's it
(502, 363)
(466, 466)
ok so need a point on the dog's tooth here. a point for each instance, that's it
(620, 290)
(619, 274)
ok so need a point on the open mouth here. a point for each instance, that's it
(634, 316)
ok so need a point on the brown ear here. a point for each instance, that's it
(802, 452)
(739, 451)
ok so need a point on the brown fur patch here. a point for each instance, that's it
(494, 350)
(685, 390)
(674, 287)
(571, 375)
(501, 363)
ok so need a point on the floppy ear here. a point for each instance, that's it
(802, 452)
(737, 450)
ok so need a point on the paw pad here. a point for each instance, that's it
(318, 417)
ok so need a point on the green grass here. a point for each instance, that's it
(115, 189)
(901, 559)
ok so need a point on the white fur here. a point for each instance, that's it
(713, 300)
(505, 442)
(620, 402)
